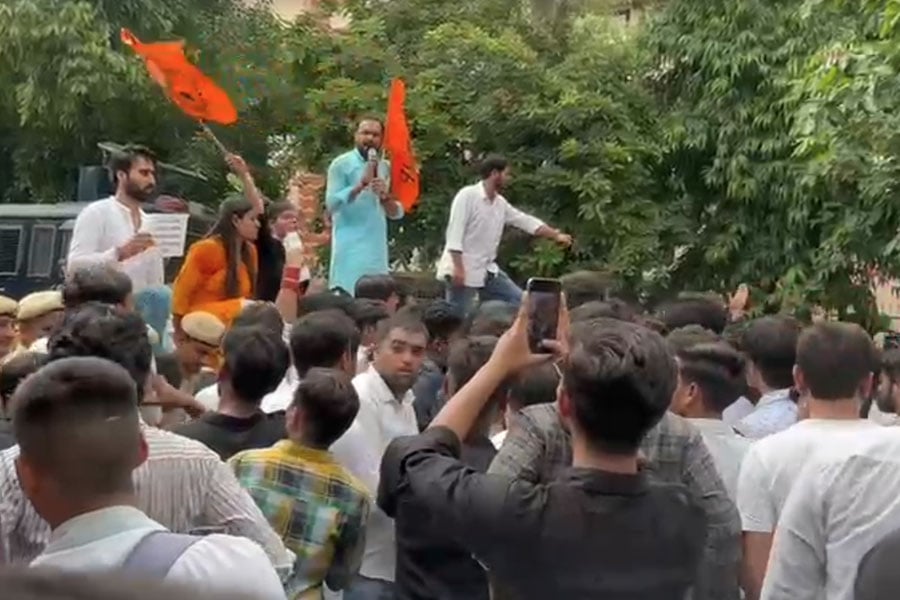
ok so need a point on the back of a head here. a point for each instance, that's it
(717, 368)
(493, 317)
(325, 301)
(260, 314)
(442, 320)
(582, 287)
(619, 378)
(466, 357)
(835, 360)
(771, 345)
(600, 309)
(322, 339)
(878, 577)
(329, 403)
(376, 287)
(699, 310)
(14, 371)
(537, 385)
(690, 335)
(105, 331)
(368, 312)
(76, 421)
(97, 283)
(39, 583)
(255, 361)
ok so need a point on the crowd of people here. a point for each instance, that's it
(354, 441)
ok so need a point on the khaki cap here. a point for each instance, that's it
(39, 304)
(203, 327)
(8, 307)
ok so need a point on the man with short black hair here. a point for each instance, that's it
(97, 283)
(697, 309)
(535, 386)
(770, 344)
(833, 373)
(541, 540)
(887, 393)
(12, 373)
(79, 433)
(112, 231)
(478, 214)
(444, 326)
(324, 339)
(430, 563)
(385, 412)
(182, 485)
(297, 482)
(358, 196)
(255, 362)
(710, 377)
(379, 287)
(368, 314)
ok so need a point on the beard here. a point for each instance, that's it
(399, 383)
(141, 194)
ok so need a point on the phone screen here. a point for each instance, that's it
(543, 312)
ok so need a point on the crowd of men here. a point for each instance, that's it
(380, 448)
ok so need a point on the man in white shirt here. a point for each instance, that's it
(848, 496)
(477, 217)
(833, 372)
(709, 377)
(770, 344)
(79, 435)
(112, 231)
(385, 413)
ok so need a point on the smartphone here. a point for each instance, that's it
(543, 311)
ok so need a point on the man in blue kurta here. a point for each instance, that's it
(358, 197)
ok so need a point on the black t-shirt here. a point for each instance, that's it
(430, 563)
(228, 435)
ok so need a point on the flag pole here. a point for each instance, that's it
(212, 136)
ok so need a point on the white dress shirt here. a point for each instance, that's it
(100, 228)
(381, 418)
(727, 449)
(772, 465)
(738, 409)
(182, 485)
(103, 539)
(843, 503)
(475, 228)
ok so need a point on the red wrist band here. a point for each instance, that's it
(291, 285)
(291, 273)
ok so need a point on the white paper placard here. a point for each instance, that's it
(169, 230)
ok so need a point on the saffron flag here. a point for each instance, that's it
(187, 86)
(397, 143)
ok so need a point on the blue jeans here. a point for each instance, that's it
(364, 588)
(497, 286)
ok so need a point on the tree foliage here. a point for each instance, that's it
(722, 142)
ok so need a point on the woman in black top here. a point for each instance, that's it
(280, 220)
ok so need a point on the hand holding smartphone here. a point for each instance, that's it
(544, 297)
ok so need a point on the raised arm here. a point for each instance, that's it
(534, 226)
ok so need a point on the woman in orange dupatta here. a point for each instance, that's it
(219, 273)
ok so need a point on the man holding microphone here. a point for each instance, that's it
(477, 217)
(357, 195)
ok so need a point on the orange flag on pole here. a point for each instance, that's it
(193, 92)
(397, 143)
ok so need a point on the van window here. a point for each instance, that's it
(10, 249)
(40, 253)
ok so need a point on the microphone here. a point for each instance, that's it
(372, 156)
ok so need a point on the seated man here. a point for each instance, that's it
(602, 529)
(297, 482)
(80, 438)
(256, 360)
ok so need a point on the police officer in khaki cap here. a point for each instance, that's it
(38, 315)
(8, 309)
(197, 346)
